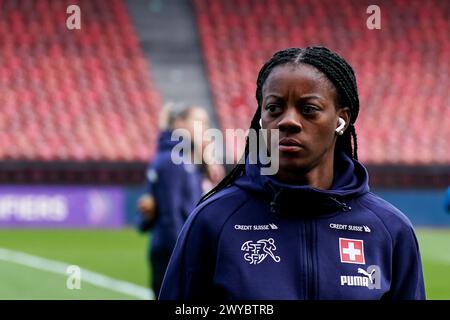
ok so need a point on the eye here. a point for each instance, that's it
(272, 108)
(309, 109)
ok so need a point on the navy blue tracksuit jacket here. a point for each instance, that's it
(261, 239)
(176, 188)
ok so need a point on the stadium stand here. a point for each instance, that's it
(402, 70)
(80, 106)
(79, 95)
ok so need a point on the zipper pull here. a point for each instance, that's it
(346, 208)
(343, 205)
(273, 207)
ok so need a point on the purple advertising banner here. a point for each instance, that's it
(61, 207)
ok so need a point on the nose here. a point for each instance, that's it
(290, 121)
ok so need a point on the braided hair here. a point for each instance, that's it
(336, 69)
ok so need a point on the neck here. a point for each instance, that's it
(320, 176)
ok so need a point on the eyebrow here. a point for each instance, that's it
(303, 97)
(311, 96)
(274, 96)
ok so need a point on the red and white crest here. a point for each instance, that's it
(351, 251)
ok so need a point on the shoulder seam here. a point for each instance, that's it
(205, 205)
(213, 198)
(223, 226)
(360, 201)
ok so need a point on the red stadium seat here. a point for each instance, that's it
(402, 69)
(63, 87)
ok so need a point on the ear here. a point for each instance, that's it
(344, 113)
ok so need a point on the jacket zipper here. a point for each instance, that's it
(342, 205)
(309, 229)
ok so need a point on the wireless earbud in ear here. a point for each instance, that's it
(340, 128)
(260, 123)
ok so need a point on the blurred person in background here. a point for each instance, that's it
(173, 190)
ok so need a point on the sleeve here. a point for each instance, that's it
(171, 200)
(190, 272)
(407, 276)
(141, 223)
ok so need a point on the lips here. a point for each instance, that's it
(289, 145)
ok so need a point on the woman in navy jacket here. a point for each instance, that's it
(311, 231)
(173, 188)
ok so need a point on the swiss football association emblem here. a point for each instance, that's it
(351, 251)
(257, 251)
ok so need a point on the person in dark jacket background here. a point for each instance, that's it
(172, 189)
(313, 230)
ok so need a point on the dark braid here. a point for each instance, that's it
(355, 142)
(336, 69)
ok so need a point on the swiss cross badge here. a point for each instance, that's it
(351, 251)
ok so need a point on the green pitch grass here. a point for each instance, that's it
(121, 254)
(118, 254)
(435, 249)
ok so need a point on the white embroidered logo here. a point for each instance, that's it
(257, 251)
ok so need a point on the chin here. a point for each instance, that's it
(294, 164)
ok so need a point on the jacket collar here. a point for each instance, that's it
(350, 181)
